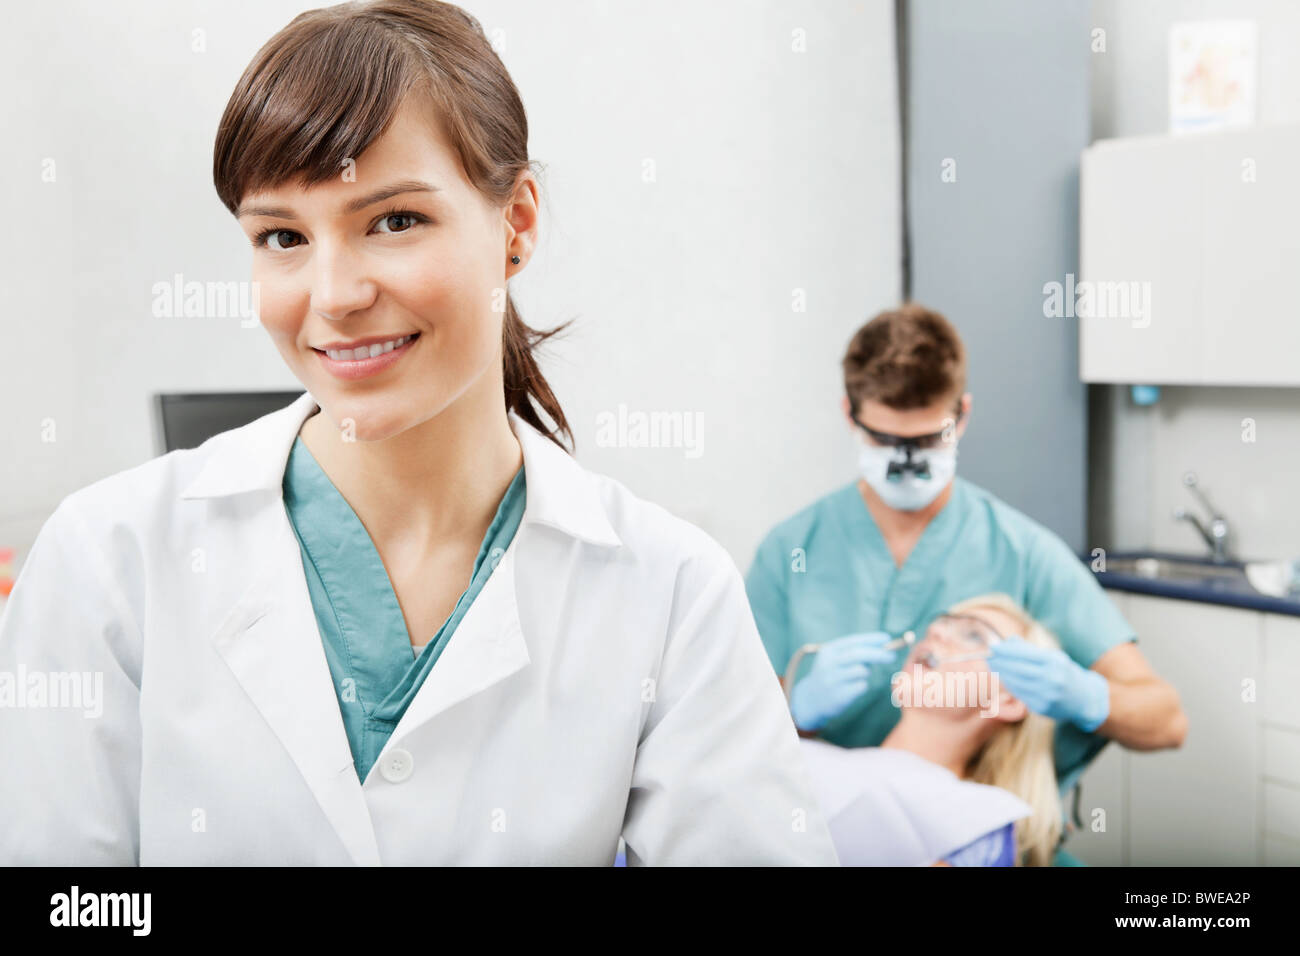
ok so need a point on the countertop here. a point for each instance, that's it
(1224, 591)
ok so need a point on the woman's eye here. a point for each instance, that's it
(279, 239)
(395, 222)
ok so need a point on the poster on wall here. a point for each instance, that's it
(1212, 75)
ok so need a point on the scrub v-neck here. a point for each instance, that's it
(913, 585)
(376, 673)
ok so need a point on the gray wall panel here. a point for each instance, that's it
(1001, 88)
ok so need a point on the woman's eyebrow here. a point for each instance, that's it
(353, 205)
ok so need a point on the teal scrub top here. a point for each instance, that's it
(827, 572)
(376, 671)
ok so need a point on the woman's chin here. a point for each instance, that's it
(361, 421)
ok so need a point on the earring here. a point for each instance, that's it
(515, 260)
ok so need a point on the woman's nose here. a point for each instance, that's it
(340, 284)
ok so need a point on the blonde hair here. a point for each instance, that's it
(1018, 757)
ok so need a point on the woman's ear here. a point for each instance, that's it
(1011, 710)
(521, 221)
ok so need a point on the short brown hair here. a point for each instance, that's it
(909, 357)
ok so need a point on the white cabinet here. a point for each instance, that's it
(1231, 794)
(1198, 805)
(1205, 225)
(1280, 800)
(1280, 686)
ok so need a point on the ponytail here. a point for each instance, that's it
(524, 382)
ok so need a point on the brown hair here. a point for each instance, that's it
(326, 86)
(909, 357)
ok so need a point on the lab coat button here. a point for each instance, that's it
(397, 765)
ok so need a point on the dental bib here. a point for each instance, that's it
(887, 807)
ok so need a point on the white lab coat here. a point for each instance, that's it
(609, 679)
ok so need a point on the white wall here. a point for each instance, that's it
(1140, 454)
(775, 171)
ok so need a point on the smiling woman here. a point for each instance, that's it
(394, 622)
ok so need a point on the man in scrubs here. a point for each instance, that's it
(891, 551)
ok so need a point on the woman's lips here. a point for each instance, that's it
(352, 369)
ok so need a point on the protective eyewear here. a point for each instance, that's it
(931, 440)
(971, 637)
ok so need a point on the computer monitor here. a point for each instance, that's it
(188, 420)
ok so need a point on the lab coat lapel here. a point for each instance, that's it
(269, 639)
(489, 644)
(272, 645)
(486, 648)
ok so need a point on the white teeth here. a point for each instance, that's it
(367, 351)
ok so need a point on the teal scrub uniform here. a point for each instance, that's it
(376, 672)
(826, 572)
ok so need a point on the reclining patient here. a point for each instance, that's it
(965, 778)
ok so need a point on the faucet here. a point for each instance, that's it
(1216, 535)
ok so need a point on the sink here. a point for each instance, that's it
(1190, 578)
(1167, 569)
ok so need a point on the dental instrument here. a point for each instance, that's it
(907, 640)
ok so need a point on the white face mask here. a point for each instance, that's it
(914, 485)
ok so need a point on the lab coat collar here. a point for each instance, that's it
(561, 493)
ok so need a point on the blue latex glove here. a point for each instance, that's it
(838, 677)
(1050, 683)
